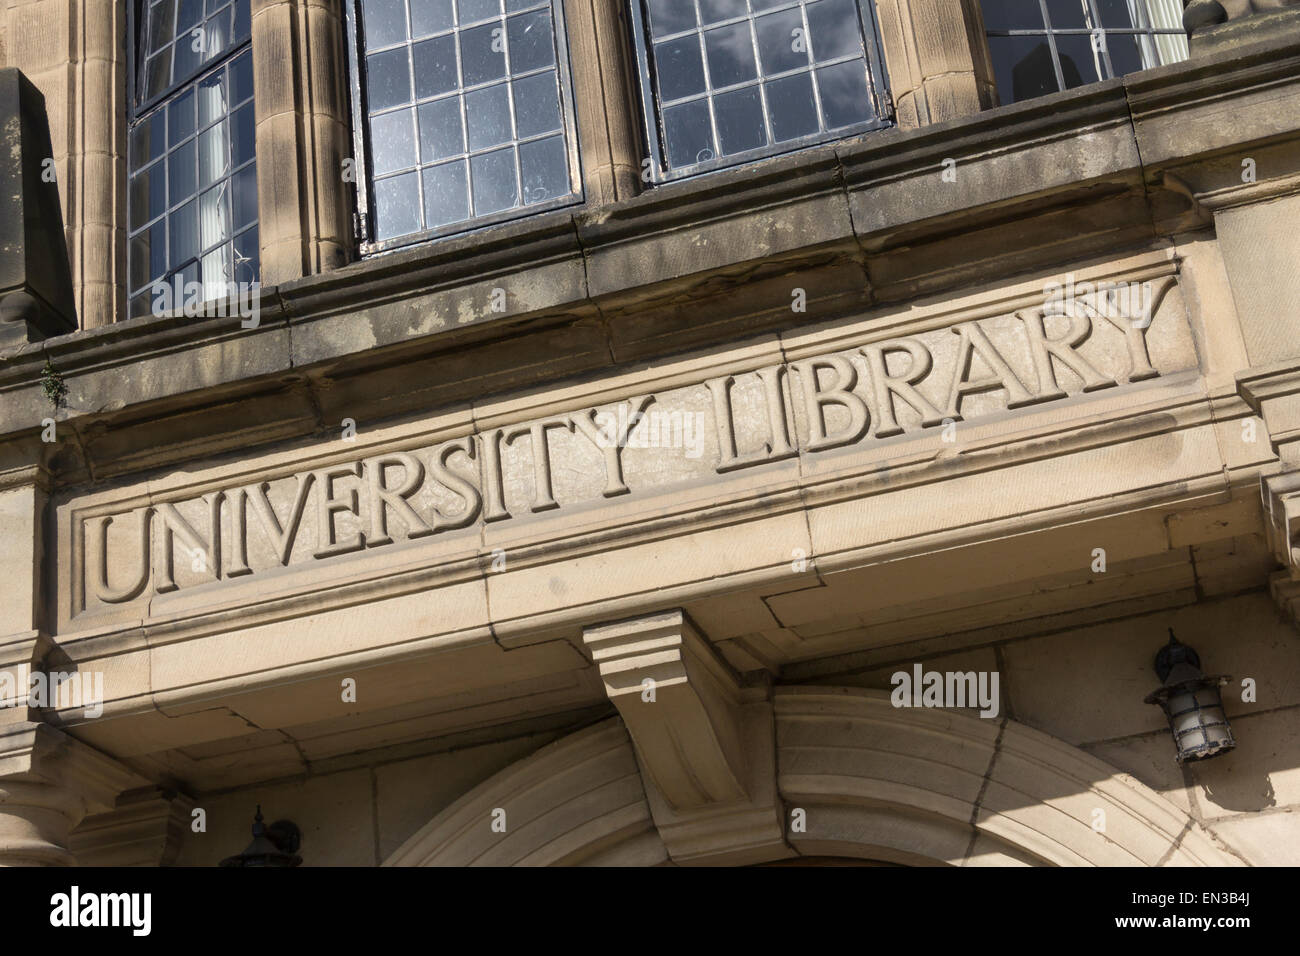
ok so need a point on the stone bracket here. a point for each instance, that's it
(146, 828)
(49, 781)
(705, 742)
(1281, 495)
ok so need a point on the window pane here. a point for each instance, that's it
(1023, 67)
(544, 166)
(148, 256)
(385, 22)
(731, 55)
(440, 129)
(180, 118)
(388, 79)
(671, 16)
(680, 68)
(1080, 63)
(689, 134)
(1068, 14)
(715, 10)
(248, 262)
(162, 25)
(430, 16)
(212, 99)
(188, 15)
(182, 174)
(780, 41)
(834, 28)
(214, 159)
(243, 192)
(397, 206)
(1125, 55)
(217, 273)
(843, 89)
(479, 61)
(740, 120)
(472, 11)
(149, 139)
(186, 57)
(537, 105)
(531, 42)
(1012, 15)
(435, 67)
(494, 181)
(243, 136)
(214, 216)
(446, 194)
(148, 195)
(158, 73)
(791, 108)
(1115, 14)
(183, 229)
(394, 142)
(241, 78)
(487, 113)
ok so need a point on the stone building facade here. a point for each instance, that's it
(617, 531)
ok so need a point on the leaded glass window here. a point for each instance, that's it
(463, 114)
(1044, 46)
(192, 189)
(730, 80)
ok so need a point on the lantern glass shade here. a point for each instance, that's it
(1196, 718)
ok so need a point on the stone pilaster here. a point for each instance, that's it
(24, 491)
(937, 58)
(48, 782)
(604, 87)
(304, 203)
(74, 52)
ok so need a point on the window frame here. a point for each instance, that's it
(363, 223)
(652, 128)
(137, 109)
(137, 20)
(1050, 33)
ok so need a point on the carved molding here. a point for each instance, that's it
(877, 782)
(705, 743)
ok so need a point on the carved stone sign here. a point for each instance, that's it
(1076, 340)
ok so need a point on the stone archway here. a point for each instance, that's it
(874, 782)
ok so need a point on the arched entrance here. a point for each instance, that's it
(873, 782)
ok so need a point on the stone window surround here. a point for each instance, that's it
(935, 52)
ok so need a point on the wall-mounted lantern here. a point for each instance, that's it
(276, 845)
(1191, 703)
